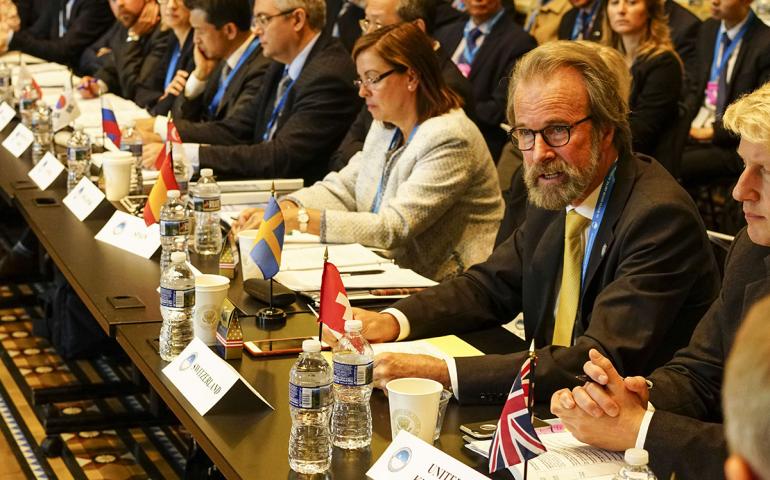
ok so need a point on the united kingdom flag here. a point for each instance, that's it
(515, 439)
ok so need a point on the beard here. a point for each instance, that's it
(576, 180)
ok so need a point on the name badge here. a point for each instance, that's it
(84, 198)
(19, 140)
(206, 380)
(46, 171)
(129, 233)
(712, 88)
(410, 458)
(6, 115)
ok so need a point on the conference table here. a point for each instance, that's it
(250, 441)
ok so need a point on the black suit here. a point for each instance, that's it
(650, 278)
(685, 434)
(654, 101)
(347, 23)
(89, 63)
(233, 120)
(318, 111)
(684, 27)
(490, 71)
(569, 19)
(87, 21)
(151, 86)
(751, 70)
(30, 10)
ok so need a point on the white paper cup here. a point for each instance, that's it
(117, 174)
(249, 269)
(210, 294)
(414, 406)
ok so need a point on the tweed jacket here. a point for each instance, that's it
(441, 202)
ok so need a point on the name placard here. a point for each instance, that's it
(129, 233)
(46, 171)
(19, 140)
(410, 458)
(206, 380)
(84, 198)
(6, 115)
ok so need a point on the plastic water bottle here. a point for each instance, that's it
(180, 175)
(353, 366)
(131, 141)
(28, 98)
(177, 300)
(310, 402)
(78, 158)
(636, 466)
(6, 87)
(42, 131)
(206, 206)
(174, 228)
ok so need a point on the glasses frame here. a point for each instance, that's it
(369, 83)
(364, 24)
(544, 133)
(262, 21)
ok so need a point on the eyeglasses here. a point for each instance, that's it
(365, 24)
(370, 81)
(553, 135)
(261, 20)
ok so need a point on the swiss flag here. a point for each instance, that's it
(335, 307)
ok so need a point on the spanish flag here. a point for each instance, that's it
(157, 197)
(266, 251)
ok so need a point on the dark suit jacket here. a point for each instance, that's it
(88, 20)
(491, 69)
(650, 278)
(233, 120)
(685, 434)
(349, 28)
(130, 61)
(318, 111)
(654, 101)
(568, 22)
(354, 139)
(30, 10)
(684, 27)
(752, 69)
(89, 63)
(150, 86)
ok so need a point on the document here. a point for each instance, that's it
(439, 347)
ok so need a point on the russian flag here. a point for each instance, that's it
(158, 194)
(110, 123)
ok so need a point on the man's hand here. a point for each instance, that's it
(377, 327)
(203, 65)
(389, 366)
(89, 87)
(145, 127)
(150, 153)
(103, 51)
(147, 20)
(702, 134)
(176, 87)
(606, 412)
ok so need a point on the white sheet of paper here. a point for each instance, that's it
(19, 140)
(46, 171)
(6, 115)
(84, 198)
(129, 233)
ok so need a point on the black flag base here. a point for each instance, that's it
(271, 315)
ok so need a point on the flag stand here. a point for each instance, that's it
(530, 400)
(271, 314)
(320, 320)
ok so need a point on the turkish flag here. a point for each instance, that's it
(335, 307)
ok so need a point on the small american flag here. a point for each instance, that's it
(515, 439)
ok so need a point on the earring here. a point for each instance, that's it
(411, 87)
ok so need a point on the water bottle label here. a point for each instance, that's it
(353, 375)
(134, 148)
(172, 298)
(201, 204)
(310, 397)
(172, 228)
(77, 154)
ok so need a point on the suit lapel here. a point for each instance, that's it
(543, 271)
(490, 43)
(743, 51)
(756, 290)
(236, 84)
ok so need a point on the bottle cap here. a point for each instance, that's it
(310, 345)
(206, 172)
(636, 456)
(353, 325)
(178, 257)
(172, 194)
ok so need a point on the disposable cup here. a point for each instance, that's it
(414, 406)
(446, 395)
(249, 269)
(117, 174)
(210, 294)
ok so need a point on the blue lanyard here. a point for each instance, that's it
(393, 143)
(470, 51)
(223, 85)
(171, 70)
(596, 221)
(716, 70)
(579, 26)
(277, 110)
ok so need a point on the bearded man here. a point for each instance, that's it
(613, 254)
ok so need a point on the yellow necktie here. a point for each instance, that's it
(569, 294)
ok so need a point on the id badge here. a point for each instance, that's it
(711, 92)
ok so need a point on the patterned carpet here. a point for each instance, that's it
(29, 364)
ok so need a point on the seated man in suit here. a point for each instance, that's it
(343, 18)
(733, 58)
(583, 22)
(380, 13)
(61, 32)
(683, 433)
(128, 60)
(485, 47)
(588, 268)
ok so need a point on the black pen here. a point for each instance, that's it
(361, 272)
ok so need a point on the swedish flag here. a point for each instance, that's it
(268, 243)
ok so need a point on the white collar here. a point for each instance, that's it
(734, 31)
(234, 57)
(295, 67)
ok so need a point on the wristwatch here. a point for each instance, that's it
(303, 218)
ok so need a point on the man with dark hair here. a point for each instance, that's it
(583, 22)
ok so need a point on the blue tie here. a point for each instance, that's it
(722, 82)
(471, 49)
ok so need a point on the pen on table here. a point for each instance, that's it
(361, 272)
